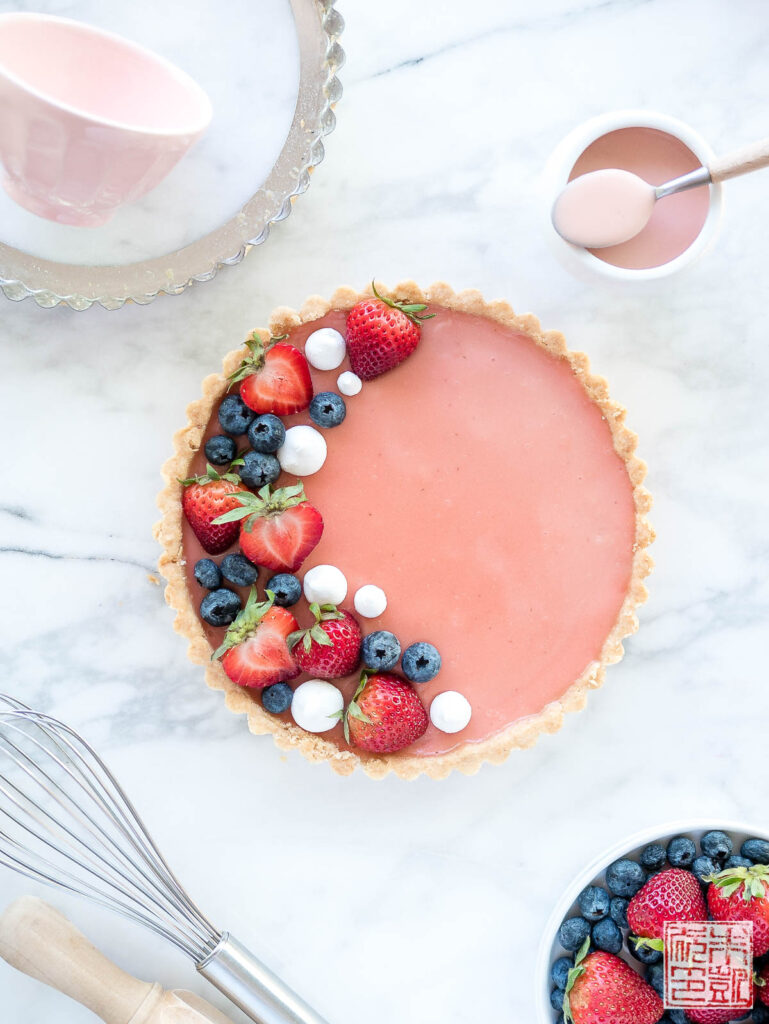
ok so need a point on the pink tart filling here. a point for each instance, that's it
(478, 486)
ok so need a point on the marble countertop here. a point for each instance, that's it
(419, 902)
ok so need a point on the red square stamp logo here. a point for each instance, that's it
(708, 964)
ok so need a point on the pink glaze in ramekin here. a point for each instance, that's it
(561, 163)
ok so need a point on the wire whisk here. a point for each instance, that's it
(65, 821)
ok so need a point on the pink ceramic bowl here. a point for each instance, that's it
(88, 120)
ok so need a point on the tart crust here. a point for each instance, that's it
(469, 757)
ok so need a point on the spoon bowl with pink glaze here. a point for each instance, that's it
(610, 206)
(89, 120)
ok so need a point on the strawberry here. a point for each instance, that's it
(385, 714)
(740, 894)
(331, 647)
(761, 987)
(713, 1014)
(382, 332)
(204, 500)
(275, 377)
(278, 528)
(602, 989)
(255, 652)
(672, 895)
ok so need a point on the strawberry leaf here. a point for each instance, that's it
(246, 623)
(640, 941)
(412, 310)
(233, 516)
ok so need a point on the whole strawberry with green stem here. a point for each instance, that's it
(330, 648)
(602, 989)
(278, 529)
(672, 895)
(385, 714)
(742, 894)
(382, 332)
(274, 377)
(255, 651)
(205, 500)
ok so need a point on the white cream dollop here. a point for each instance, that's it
(349, 383)
(325, 348)
(370, 601)
(303, 452)
(316, 705)
(325, 584)
(450, 711)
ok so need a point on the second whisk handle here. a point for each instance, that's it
(253, 987)
(41, 942)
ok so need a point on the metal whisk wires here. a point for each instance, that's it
(65, 821)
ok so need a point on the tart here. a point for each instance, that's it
(485, 487)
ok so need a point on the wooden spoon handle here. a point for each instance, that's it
(741, 161)
(41, 942)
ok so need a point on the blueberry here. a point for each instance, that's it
(327, 409)
(618, 911)
(653, 857)
(421, 662)
(266, 433)
(556, 998)
(207, 573)
(625, 878)
(756, 850)
(675, 1017)
(220, 607)
(380, 650)
(259, 469)
(607, 936)
(736, 861)
(655, 976)
(704, 866)
(573, 933)
(681, 852)
(716, 845)
(760, 1012)
(238, 570)
(234, 415)
(559, 972)
(220, 450)
(593, 903)
(277, 698)
(286, 588)
(645, 954)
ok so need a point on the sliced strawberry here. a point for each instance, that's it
(330, 648)
(274, 378)
(204, 500)
(279, 528)
(382, 332)
(385, 714)
(255, 652)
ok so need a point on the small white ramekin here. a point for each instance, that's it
(556, 175)
(550, 949)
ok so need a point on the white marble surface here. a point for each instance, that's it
(416, 902)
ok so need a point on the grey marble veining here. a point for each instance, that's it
(421, 902)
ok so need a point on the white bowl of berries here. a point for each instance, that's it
(602, 947)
